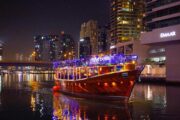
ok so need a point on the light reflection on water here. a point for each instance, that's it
(67, 108)
(146, 99)
(151, 93)
(31, 95)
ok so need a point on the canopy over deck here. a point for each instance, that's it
(97, 60)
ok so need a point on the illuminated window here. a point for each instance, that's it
(125, 22)
(126, 9)
(155, 59)
(153, 51)
(158, 59)
(161, 50)
(138, 20)
(124, 38)
(162, 58)
(157, 51)
(118, 18)
(37, 46)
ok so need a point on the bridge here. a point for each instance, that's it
(24, 64)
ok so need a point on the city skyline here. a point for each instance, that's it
(89, 59)
(21, 20)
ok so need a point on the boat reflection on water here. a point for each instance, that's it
(64, 108)
(30, 97)
(68, 108)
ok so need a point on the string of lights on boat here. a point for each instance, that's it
(97, 60)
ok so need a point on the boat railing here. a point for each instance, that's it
(77, 73)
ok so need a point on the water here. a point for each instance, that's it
(30, 97)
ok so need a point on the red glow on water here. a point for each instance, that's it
(56, 88)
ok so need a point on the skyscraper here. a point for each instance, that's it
(125, 23)
(1, 50)
(103, 39)
(85, 48)
(67, 47)
(90, 29)
(46, 47)
(163, 35)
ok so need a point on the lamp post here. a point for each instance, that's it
(32, 56)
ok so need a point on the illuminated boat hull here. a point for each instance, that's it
(111, 86)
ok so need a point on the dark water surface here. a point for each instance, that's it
(30, 97)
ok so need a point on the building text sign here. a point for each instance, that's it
(168, 34)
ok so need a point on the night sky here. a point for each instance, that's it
(20, 20)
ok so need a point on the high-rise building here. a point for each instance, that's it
(103, 39)
(67, 47)
(125, 23)
(46, 47)
(163, 35)
(1, 51)
(85, 48)
(90, 29)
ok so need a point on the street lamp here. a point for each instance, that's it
(33, 56)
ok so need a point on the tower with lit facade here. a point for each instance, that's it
(67, 47)
(90, 29)
(125, 23)
(46, 47)
(103, 39)
(85, 48)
